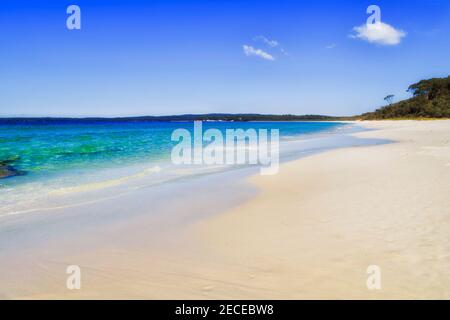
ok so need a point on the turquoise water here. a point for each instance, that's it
(41, 151)
(74, 162)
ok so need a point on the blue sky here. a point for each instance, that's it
(173, 57)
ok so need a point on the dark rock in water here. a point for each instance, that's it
(9, 161)
(7, 170)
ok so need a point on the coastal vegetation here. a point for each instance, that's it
(430, 99)
(174, 118)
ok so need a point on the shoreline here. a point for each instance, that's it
(308, 232)
(313, 231)
(63, 190)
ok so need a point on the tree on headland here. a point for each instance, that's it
(430, 88)
(430, 99)
(389, 99)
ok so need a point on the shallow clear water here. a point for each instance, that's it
(42, 150)
(59, 160)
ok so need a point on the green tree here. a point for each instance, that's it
(389, 99)
(430, 99)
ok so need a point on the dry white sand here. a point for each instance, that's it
(311, 232)
(318, 225)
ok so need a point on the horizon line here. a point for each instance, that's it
(172, 116)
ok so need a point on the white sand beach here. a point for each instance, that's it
(309, 232)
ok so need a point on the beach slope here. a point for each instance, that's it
(310, 232)
(315, 228)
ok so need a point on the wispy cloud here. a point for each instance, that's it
(270, 43)
(379, 33)
(250, 51)
(284, 52)
(331, 46)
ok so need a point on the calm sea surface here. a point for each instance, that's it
(56, 159)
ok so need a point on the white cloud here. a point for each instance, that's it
(270, 43)
(379, 33)
(250, 51)
(331, 46)
(284, 52)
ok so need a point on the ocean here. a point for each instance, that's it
(55, 164)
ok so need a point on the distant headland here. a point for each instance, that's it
(430, 99)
